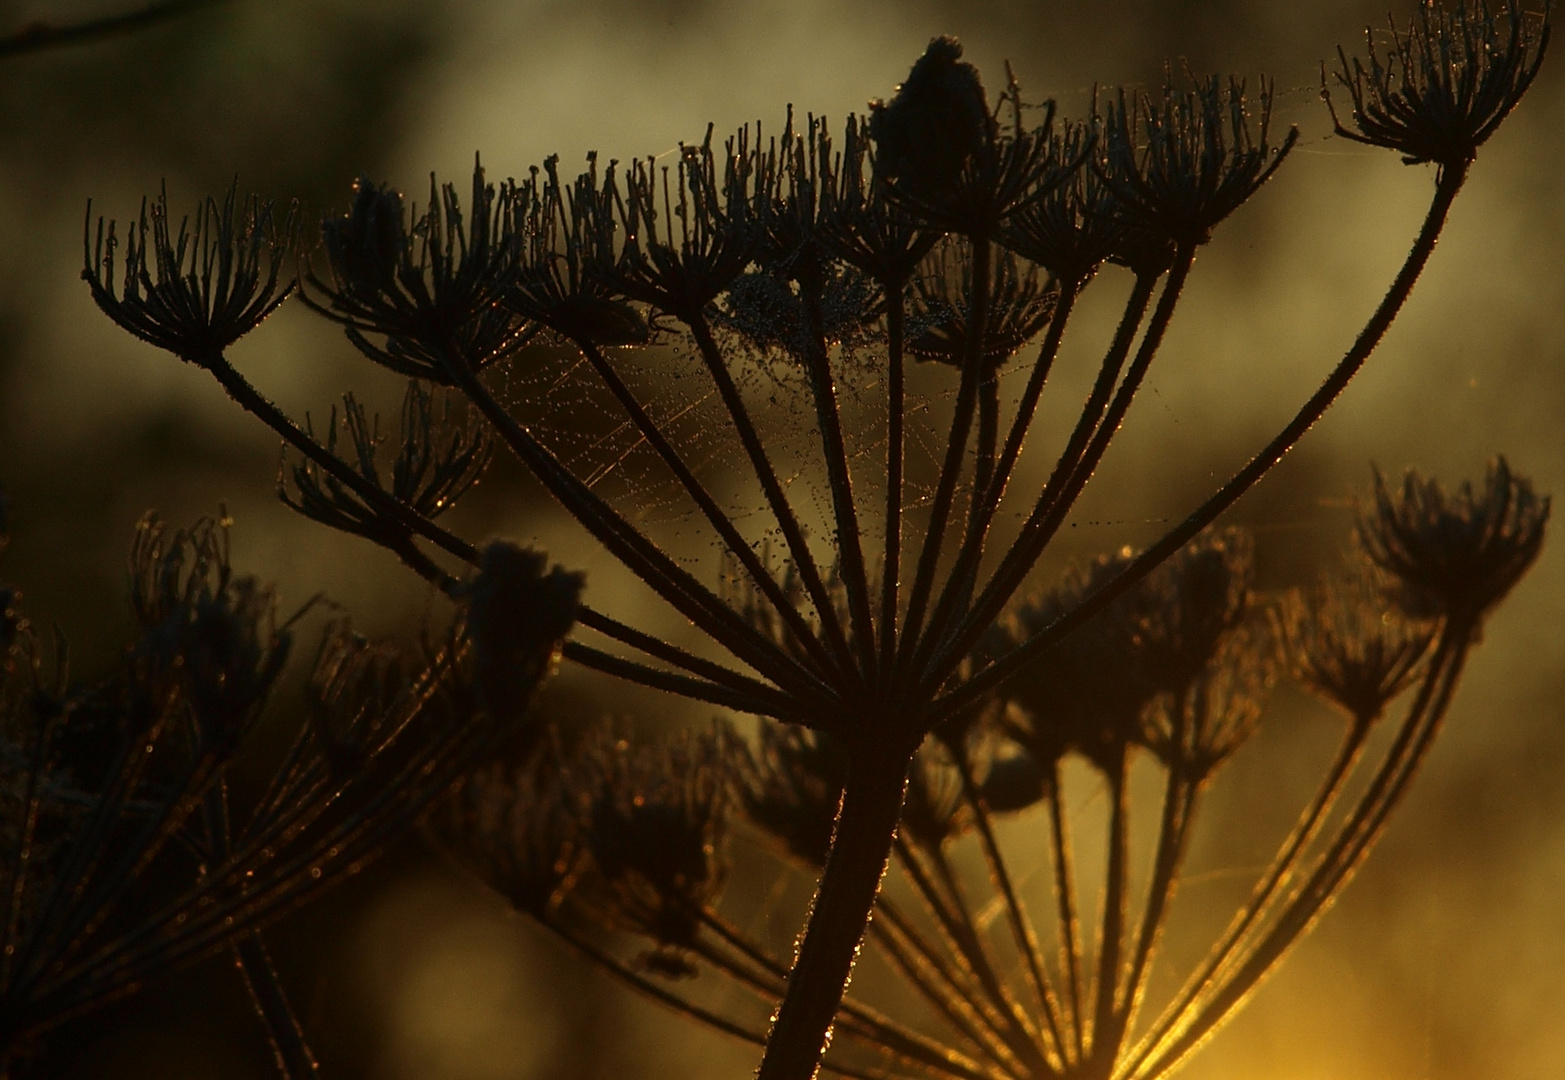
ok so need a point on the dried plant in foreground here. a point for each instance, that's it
(780, 284)
(122, 855)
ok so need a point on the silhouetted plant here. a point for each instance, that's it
(123, 856)
(1175, 675)
(961, 231)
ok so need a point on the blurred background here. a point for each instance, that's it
(1441, 960)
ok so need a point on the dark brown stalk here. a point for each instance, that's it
(1065, 898)
(916, 969)
(1447, 185)
(954, 921)
(672, 582)
(289, 1049)
(654, 646)
(1087, 422)
(1112, 928)
(1060, 494)
(776, 497)
(772, 703)
(1173, 835)
(1336, 867)
(736, 544)
(1259, 903)
(958, 983)
(845, 516)
(866, 826)
(896, 326)
(964, 572)
(259, 405)
(1016, 913)
(956, 450)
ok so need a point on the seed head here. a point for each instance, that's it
(428, 292)
(1457, 555)
(195, 293)
(1179, 164)
(1446, 83)
(658, 817)
(557, 286)
(789, 788)
(1020, 305)
(941, 153)
(517, 613)
(1345, 645)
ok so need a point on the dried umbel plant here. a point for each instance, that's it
(123, 856)
(789, 279)
(997, 977)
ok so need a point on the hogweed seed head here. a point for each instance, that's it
(1180, 163)
(789, 788)
(195, 292)
(1453, 555)
(422, 298)
(1344, 644)
(943, 156)
(1020, 305)
(1445, 84)
(517, 612)
(657, 821)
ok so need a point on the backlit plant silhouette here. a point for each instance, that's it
(755, 303)
(121, 854)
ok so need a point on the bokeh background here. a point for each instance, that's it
(1441, 961)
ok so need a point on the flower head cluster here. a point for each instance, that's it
(1454, 555)
(197, 291)
(1181, 163)
(422, 297)
(1445, 84)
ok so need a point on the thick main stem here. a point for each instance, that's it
(866, 826)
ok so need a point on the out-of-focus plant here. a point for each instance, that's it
(858, 596)
(121, 853)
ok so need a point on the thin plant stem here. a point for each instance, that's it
(736, 544)
(962, 1019)
(1063, 489)
(776, 497)
(1065, 898)
(850, 551)
(290, 1050)
(1091, 412)
(1111, 928)
(959, 982)
(956, 449)
(896, 319)
(1334, 868)
(1447, 185)
(1016, 912)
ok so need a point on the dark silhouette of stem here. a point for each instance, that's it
(1447, 185)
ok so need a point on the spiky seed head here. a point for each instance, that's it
(1344, 644)
(366, 244)
(518, 611)
(196, 291)
(1446, 83)
(1453, 555)
(1181, 162)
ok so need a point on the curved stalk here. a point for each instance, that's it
(1447, 185)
